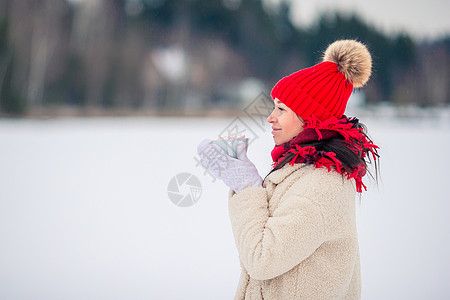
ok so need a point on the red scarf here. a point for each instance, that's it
(316, 130)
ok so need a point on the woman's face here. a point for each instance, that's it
(286, 124)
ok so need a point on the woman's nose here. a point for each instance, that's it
(271, 118)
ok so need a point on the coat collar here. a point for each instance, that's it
(279, 175)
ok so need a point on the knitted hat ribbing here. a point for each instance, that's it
(323, 90)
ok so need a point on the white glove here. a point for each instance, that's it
(235, 173)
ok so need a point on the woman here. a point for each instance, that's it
(295, 231)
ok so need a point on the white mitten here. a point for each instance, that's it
(236, 173)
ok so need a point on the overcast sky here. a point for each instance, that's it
(422, 19)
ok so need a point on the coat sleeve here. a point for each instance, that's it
(269, 246)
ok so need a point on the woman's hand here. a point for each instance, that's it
(235, 173)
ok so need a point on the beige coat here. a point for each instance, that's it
(296, 236)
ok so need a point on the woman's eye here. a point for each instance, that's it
(280, 108)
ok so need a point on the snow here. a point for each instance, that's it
(85, 213)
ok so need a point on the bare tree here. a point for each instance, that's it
(93, 39)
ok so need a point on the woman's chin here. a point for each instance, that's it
(277, 142)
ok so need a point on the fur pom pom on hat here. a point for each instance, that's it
(323, 90)
(353, 60)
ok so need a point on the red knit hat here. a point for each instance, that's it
(323, 90)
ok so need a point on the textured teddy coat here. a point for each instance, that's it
(296, 236)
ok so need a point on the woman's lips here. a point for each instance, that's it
(275, 129)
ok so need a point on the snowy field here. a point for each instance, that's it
(85, 212)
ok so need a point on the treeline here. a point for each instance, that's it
(188, 54)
